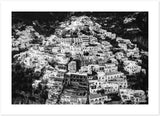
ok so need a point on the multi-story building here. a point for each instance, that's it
(94, 67)
(113, 75)
(131, 67)
(62, 62)
(77, 41)
(61, 67)
(70, 97)
(60, 73)
(134, 96)
(110, 67)
(122, 83)
(85, 39)
(72, 67)
(110, 88)
(101, 76)
(66, 41)
(76, 79)
(93, 86)
(98, 99)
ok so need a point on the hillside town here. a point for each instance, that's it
(82, 63)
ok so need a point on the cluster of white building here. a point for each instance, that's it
(82, 69)
(132, 96)
(132, 67)
(99, 72)
(108, 78)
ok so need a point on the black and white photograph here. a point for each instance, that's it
(80, 57)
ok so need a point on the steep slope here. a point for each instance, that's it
(35, 56)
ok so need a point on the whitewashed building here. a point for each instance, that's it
(98, 99)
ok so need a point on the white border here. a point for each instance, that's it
(7, 7)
